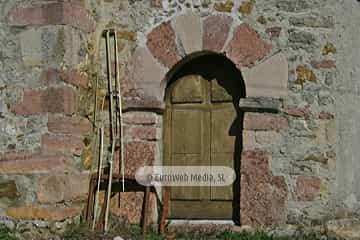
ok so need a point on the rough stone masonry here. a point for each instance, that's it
(298, 58)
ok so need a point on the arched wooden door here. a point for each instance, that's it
(197, 132)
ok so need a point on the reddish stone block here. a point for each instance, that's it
(136, 155)
(140, 118)
(58, 13)
(325, 64)
(263, 121)
(303, 112)
(263, 196)
(141, 86)
(75, 78)
(143, 102)
(156, 3)
(216, 30)
(53, 76)
(326, 115)
(52, 100)
(274, 32)
(63, 187)
(131, 205)
(58, 213)
(18, 155)
(62, 144)
(307, 188)
(69, 125)
(246, 46)
(141, 132)
(38, 164)
(161, 43)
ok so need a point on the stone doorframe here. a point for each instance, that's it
(265, 72)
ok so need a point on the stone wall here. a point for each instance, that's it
(287, 50)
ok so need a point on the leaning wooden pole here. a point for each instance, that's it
(117, 82)
(101, 152)
(112, 129)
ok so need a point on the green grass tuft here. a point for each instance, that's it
(5, 234)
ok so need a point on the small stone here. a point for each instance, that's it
(346, 228)
(324, 64)
(156, 3)
(303, 112)
(321, 158)
(301, 37)
(293, 6)
(326, 115)
(307, 188)
(118, 238)
(243, 229)
(313, 21)
(274, 32)
(224, 7)
(325, 98)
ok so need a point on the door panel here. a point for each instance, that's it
(188, 193)
(222, 146)
(187, 90)
(221, 122)
(222, 159)
(201, 209)
(200, 115)
(186, 131)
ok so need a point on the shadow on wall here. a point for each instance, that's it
(211, 66)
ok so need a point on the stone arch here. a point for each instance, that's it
(186, 36)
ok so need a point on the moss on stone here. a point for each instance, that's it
(224, 7)
(247, 7)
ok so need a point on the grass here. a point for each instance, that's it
(133, 232)
(5, 234)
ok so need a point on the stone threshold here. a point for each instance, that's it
(199, 222)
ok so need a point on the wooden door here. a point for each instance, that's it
(197, 122)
